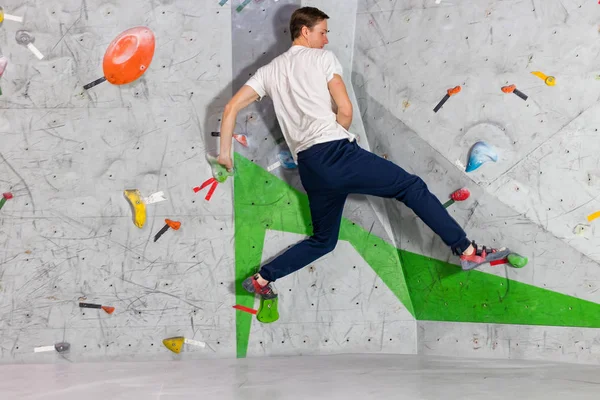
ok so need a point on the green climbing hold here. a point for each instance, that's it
(267, 312)
(517, 260)
(219, 172)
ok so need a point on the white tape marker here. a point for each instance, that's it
(194, 342)
(459, 164)
(155, 198)
(35, 51)
(13, 18)
(44, 348)
(273, 166)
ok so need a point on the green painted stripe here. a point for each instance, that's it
(382, 257)
(443, 292)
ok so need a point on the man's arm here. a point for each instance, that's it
(337, 88)
(243, 98)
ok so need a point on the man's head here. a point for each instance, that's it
(308, 27)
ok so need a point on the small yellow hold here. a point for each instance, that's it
(175, 344)
(138, 207)
(593, 216)
(549, 80)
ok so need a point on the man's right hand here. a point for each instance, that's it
(225, 161)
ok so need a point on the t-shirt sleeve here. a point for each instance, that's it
(332, 65)
(257, 82)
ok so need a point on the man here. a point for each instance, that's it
(302, 82)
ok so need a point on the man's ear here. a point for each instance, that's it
(305, 30)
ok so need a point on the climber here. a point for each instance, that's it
(302, 82)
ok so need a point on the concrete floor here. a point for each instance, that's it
(320, 377)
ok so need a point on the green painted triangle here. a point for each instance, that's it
(443, 292)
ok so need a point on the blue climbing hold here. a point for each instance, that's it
(286, 160)
(480, 153)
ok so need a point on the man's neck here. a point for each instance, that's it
(300, 43)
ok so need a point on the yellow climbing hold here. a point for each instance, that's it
(593, 216)
(175, 344)
(138, 207)
(549, 80)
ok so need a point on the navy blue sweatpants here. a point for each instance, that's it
(333, 170)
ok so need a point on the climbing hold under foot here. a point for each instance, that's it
(267, 312)
(480, 153)
(517, 260)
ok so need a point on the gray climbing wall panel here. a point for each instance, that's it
(68, 154)
(544, 184)
(338, 304)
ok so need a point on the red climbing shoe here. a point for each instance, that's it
(266, 292)
(482, 256)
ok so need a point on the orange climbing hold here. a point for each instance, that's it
(449, 92)
(127, 57)
(513, 89)
(175, 225)
(454, 90)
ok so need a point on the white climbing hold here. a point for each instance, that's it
(581, 230)
(155, 198)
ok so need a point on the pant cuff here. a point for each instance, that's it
(266, 275)
(459, 247)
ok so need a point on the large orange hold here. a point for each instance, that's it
(128, 55)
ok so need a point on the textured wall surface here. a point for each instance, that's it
(407, 54)
(67, 154)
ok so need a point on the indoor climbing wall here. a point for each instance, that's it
(536, 191)
(67, 155)
(117, 232)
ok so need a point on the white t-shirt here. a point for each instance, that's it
(297, 82)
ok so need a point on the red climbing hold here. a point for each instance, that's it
(460, 195)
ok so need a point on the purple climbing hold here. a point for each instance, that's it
(480, 153)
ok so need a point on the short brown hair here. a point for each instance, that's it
(305, 16)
